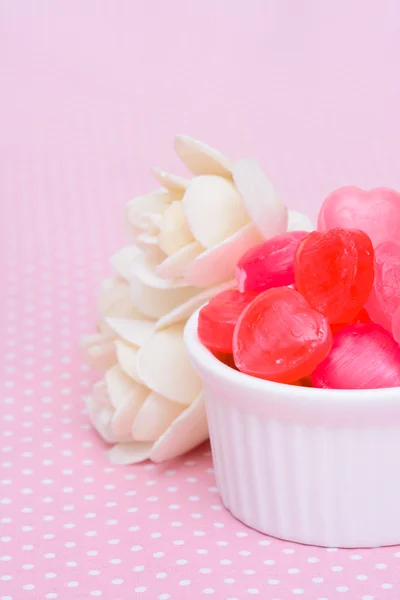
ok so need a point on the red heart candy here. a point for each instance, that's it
(385, 296)
(335, 271)
(279, 337)
(377, 212)
(218, 318)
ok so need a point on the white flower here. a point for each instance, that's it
(150, 403)
(187, 238)
(198, 229)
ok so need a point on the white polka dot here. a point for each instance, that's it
(205, 570)
(28, 586)
(342, 588)
(72, 584)
(297, 591)
(161, 575)
(356, 557)
(362, 577)
(249, 572)
(312, 559)
(137, 568)
(273, 581)
(269, 561)
(182, 561)
(293, 571)
(386, 586)
(208, 591)
(337, 568)
(158, 554)
(317, 580)
(140, 589)
(381, 566)
(185, 582)
(164, 597)
(229, 580)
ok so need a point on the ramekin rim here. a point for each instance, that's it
(210, 363)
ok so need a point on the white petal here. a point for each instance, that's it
(200, 158)
(155, 202)
(101, 411)
(134, 331)
(214, 209)
(144, 240)
(188, 431)
(183, 311)
(154, 417)
(174, 266)
(99, 350)
(164, 366)
(130, 454)
(115, 301)
(299, 222)
(156, 302)
(218, 263)
(174, 183)
(266, 210)
(127, 357)
(174, 229)
(119, 385)
(121, 261)
(125, 414)
(143, 269)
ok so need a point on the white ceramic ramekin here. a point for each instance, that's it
(308, 465)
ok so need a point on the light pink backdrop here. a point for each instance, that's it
(91, 95)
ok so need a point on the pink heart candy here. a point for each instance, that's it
(385, 295)
(376, 212)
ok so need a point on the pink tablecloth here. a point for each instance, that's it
(92, 93)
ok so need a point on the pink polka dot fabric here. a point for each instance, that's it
(92, 94)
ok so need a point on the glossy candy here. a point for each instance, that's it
(279, 337)
(335, 271)
(269, 264)
(218, 318)
(385, 295)
(362, 356)
(377, 212)
(361, 317)
(396, 325)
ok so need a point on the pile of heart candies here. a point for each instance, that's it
(318, 309)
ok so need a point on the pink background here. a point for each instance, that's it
(92, 93)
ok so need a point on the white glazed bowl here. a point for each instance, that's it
(308, 465)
